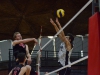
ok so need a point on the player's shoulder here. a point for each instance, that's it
(23, 68)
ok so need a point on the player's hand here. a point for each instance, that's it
(29, 61)
(51, 21)
(35, 40)
(57, 20)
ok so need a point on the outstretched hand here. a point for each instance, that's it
(57, 20)
(35, 40)
(58, 23)
(52, 21)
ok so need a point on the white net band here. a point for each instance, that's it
(77, 61)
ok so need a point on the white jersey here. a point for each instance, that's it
(62, 55)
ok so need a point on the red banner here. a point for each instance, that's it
(94, 45)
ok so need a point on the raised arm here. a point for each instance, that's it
(59, 25)
(67, 43)
(65, 40)
(56, 28)
(61, 35)
(24, 41)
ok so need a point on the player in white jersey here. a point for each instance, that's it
(66, 48)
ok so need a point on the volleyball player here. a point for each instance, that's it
(21, 68)
(66, 48)
(20, 46)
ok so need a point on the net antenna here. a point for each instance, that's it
(39, 54)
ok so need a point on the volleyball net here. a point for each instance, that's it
(77, 61)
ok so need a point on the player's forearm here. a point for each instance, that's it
(67, 43)
(59, 26)
(29, 39)
(24, 41)
(60, 36)
(57, 29)
(55, 26)
(29, 56)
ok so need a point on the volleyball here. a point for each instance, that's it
(60, 13)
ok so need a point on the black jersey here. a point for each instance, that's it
(17, 69)
(19, 48)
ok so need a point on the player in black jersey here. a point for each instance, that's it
(21, 68)
(20, 46)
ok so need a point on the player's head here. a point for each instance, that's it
(70, 37)
(17, 36)
(21, 57)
